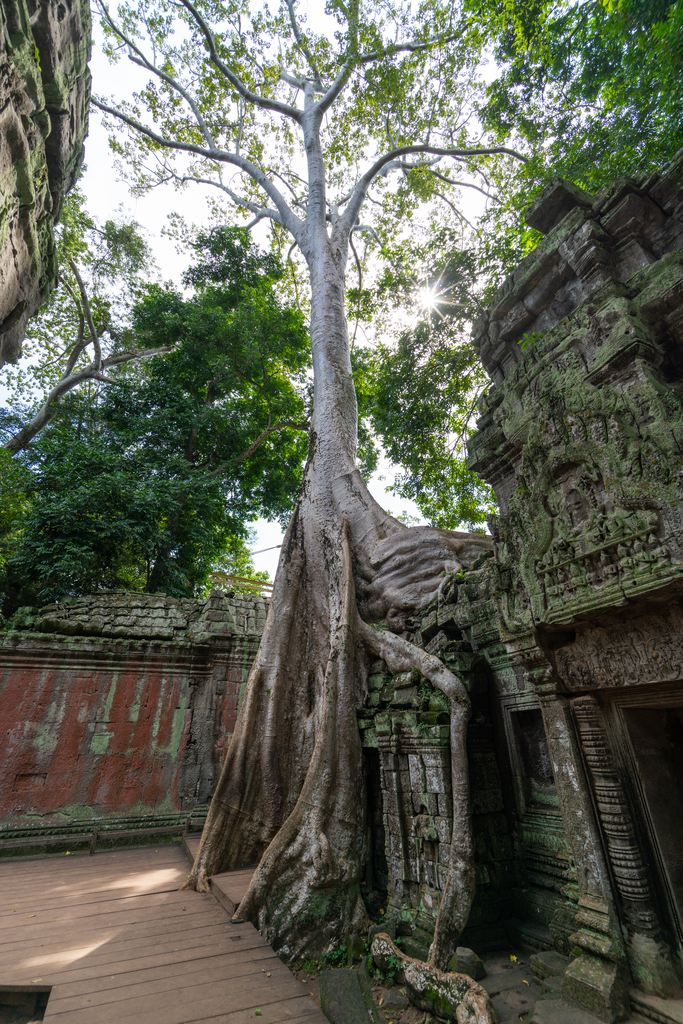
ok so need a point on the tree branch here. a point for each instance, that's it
(302, 43)
(360, 285)
(67, 383)
(97, 359)
(251, 97)
(246, 204)
(462, 184)
(360, 191)
(289, 220)
(143, 62)
(280, 425)
(409, 47)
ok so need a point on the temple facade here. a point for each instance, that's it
(567, 630)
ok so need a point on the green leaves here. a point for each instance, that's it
(594, 89)
(148, 484)
(424, 413)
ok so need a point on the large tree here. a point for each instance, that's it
(147, 481)
(297, 128)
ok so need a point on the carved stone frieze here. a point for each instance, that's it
(581, 437)
(629, 652)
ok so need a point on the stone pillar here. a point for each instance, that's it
(597, 980)
(650, 956)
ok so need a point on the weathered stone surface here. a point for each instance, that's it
(466, 961)
(366, 988)
(119, 703)
(44, 97)
(581, 436)
(549, 963)
(341, 997)
(569, 637)
(547, 1011)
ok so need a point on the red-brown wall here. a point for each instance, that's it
(96, 727)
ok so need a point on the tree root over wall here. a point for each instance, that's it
(291, 795)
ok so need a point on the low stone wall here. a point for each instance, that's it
(121, 703)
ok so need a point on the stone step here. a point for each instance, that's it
(652, 1008)
(548, 963)
(554, 1011)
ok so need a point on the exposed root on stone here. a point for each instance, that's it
(439, 992)
(400, 655)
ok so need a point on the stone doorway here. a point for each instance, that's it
(656, 740)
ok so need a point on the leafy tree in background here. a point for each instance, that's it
(82, 334)
(425, 385)
(591, 89)
(149, 483)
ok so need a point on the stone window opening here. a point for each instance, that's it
(537, 777)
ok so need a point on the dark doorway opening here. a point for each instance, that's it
(537, 767)
(376, 873)
(23, 1004)
(657, 740)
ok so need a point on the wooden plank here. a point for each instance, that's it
(215, 969)
(191, 847)
(162, 879)
(23, 872)
(68, 931)
(126, 970)
(25, 867)
(59, 869)
(230, 887)
(171, 882)
(118, 944)
(23, 926)
(171, 1006)
(153, 901)
(300, 1010)
(129, 853)
(118, 956)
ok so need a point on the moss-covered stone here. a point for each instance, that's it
(44, 99)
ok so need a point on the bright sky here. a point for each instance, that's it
(107, 195)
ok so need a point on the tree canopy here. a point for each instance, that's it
(589, 90)
(150, 481)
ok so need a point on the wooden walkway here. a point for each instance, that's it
(116, 941)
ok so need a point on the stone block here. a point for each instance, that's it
(466, 961)
(548, 963)
(552, 1011)
(597, 986)
(443, 828)
(417, 774)
(341, 997)
(435, 778)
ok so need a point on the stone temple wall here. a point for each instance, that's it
(569, 633)
(120, 704)
(44, 99)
